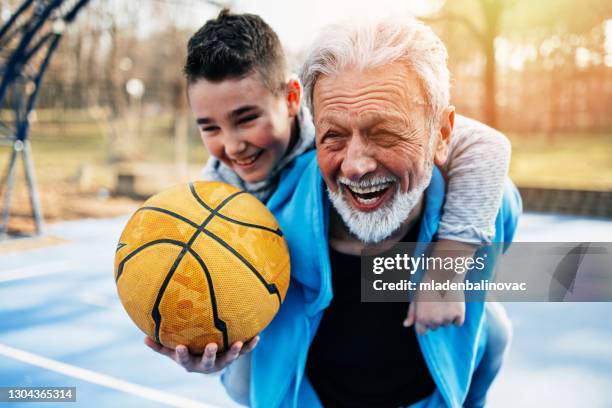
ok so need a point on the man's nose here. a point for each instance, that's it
(358, 160)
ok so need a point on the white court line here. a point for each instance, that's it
(100, 379)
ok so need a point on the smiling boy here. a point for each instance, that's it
(246, 106)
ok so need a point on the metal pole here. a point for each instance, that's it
(10, 181)
(16, 59)
(12, 73)
(14, 17)
(28, 167)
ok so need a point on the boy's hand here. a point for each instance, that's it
(207, 363)
(431, 315)
(434, 312)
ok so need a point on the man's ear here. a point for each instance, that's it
(294, 96)
(447, 122)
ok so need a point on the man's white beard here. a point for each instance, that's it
(375, 226)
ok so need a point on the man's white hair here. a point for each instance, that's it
(372, 44)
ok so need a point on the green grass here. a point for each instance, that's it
(63, 141)
(572, 160)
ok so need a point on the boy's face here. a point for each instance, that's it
(243, 124)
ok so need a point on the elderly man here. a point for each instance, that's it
(380, 101)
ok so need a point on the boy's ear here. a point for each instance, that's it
(294, 96)
(447, 122)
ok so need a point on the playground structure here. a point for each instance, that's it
(28, 39)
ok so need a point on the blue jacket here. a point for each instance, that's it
(278, 362)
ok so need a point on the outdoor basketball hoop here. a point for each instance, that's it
(28, 38)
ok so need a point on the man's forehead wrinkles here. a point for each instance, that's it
(372, 107)
(346, 107)
(361, 91)
(378, 98)
(381, 99)
(368, 117)
(401, 84)
(372, 96)
(370, 113)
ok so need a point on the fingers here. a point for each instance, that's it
(168, 352)
(151, 344)
(424, 324)
(410, 317)
(445, 321)
(249, 346)
(459, 320)
(433, 315)
(420, 328)
(207, 363)
(180, 354)
(183, 357)
(229, 356)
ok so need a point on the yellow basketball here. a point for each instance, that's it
(202, 263)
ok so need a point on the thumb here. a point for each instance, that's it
(411, 314)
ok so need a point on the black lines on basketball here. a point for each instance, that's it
(170, 213)
(155, 313)
(218, 208)
(142, 247)
(219, 324)
(232, 220)
(270, 287)
(220, 263)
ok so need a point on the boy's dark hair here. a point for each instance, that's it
(233, 46)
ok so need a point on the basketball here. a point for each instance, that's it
(202, 263)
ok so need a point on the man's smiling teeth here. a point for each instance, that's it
(370, 189)
(367, 192)
(368, 195)
(248, 160)
(366, 201)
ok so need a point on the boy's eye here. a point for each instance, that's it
(210, 128)
(247, 119)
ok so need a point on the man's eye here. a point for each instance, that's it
(386, 138)
(331, 137)
(333, 140)
(210, 129)
(247, 119)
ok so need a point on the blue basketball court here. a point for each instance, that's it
(61, 324)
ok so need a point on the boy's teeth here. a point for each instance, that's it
(246, 161)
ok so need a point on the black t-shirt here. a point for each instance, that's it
(362, 355)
